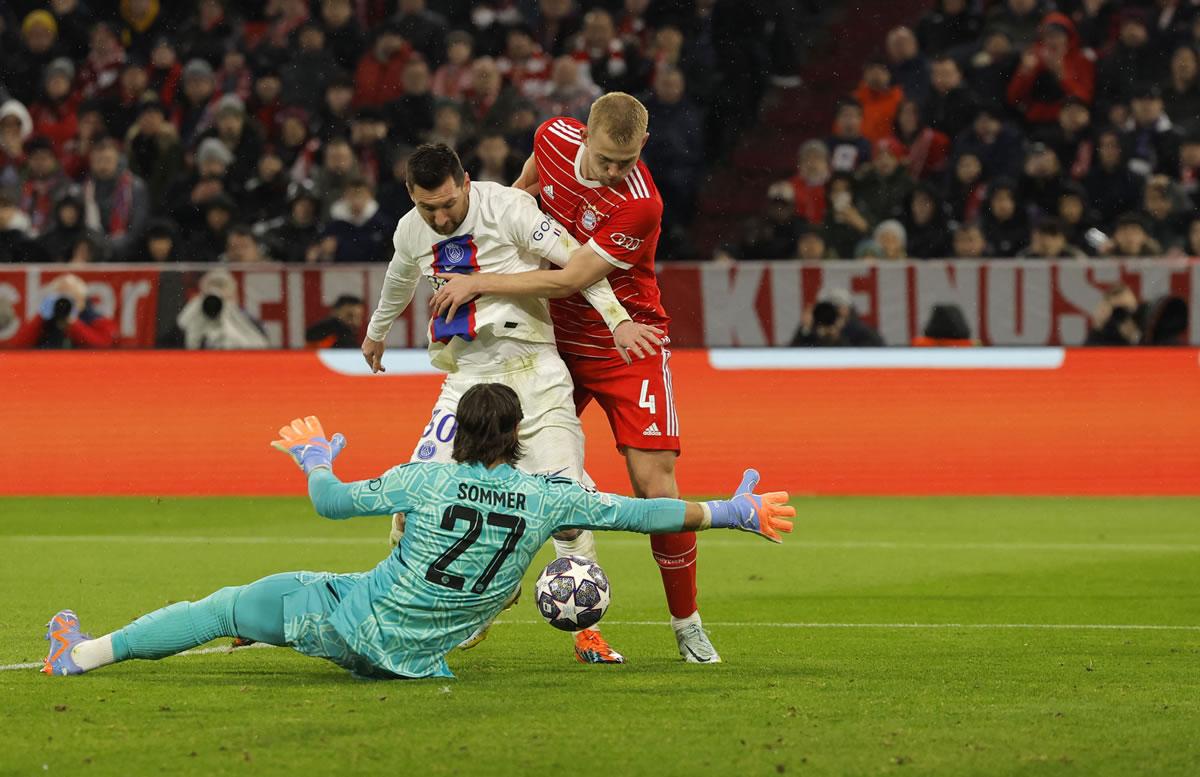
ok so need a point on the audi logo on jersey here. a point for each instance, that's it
(628, 242)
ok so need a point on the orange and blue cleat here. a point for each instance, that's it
(591, 648)
(63, 633)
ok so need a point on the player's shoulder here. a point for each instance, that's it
(409, 230)
(559, 131)
(495, 199)
(640, 189)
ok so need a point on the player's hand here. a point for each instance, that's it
(761, 514)
(373, 353)
(454, 293)
(634, 338)
(304, 440)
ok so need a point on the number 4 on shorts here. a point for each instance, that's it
(646, 400)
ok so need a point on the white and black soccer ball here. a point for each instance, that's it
(572, 593)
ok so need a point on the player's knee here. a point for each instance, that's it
(567, 535)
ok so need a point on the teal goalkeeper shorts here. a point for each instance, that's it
(306, 611)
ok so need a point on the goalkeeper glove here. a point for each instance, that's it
(304, 440)
(760, 514)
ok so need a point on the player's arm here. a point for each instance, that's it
(530, 180)
(399, 284)
(765, 514)
(305, 442)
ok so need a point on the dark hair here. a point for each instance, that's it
(488, 416)
(1050, 226)
(358, 182)
(347, 299)
(431, 164)
(825, 313)
(241, 230)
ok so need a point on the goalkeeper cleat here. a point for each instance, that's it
(63, 634)
(695, 646)
(480, 634)
(591, 648)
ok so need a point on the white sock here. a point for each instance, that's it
(583, 546)
(94, 653)
(679, 623)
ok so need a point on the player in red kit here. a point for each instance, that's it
(591, 179)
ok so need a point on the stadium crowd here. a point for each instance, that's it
(1009, 128)
(227, 131)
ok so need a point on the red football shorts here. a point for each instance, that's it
(637, 398)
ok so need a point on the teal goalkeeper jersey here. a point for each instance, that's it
(470, 534)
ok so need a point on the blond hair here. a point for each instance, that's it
(621, 116)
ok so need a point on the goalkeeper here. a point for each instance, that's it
(474, 526)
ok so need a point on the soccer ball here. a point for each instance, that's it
(572, 593)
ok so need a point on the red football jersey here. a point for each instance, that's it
(620, 223)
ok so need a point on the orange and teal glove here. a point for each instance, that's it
(304, 440)
(763, 514)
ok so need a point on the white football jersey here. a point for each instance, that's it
(504, 232)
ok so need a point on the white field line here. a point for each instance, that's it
(149, 539)
(768, 625)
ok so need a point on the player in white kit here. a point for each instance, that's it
(458, 226)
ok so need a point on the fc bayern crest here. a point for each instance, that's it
(589, 218)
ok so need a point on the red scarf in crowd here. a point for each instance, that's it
(118, 214)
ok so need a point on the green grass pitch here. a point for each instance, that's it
(909, 636)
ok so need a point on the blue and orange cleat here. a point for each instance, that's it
(591, 648)
(63, 633)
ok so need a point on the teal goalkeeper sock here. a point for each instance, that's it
(178, 627)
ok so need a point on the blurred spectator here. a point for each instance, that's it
(337, 106)
(810, 180)
(312, 66)
(204, 38)
(879, 99)
(996, 145)
(773, 236)
(191, 105)
(266, 100)
(1192, 248)
(239, 136)
(928, 149)
(15, 128)
(1151, 141)
(206, 243)
(1164, 206)
(453, 76)
(1017, 18)
(154, 152)
(67, 229)
(54, 114)
(288, 238)
(379, 77)
(234, 78)
(356, 231)
(1051, 70)
(1112, 187)
(343, 327)
(614, 66)
(101, 69)
(422, 28)
(846, 219)
(394, 199)
(1048, 241)
(570, 92)
(411, 114)
(338, 166)
(74, 20)
(66, 318)
(1131, 240)
(43, 181)
(143, 24)
(1181, 98)
(449, 126)
(675, 150)
(213, 319)
(910, 70)
(1094, 20)
(164, 71)
(209, 178)
(343, 36)
(285, 18)
(38, 46)
(1131, 61)
(241, 247)
(1041, 181)
(1005, 225)
(969, 242)
(115, 202)
(811, 245)
(884, 184)
(524, 65)
(16, 243)
(990, 69)
(489, 101)
(557, 22)
(833, 321)
(1166, 322)
(946, 326)
(1071, 138)
(368, 138)
(888, 241)
(493, 160)
(950, 107)
(1073, 214)
(847, 147)
(950, 25)
(925, 224)
(265, 196)
(966, 191)
(160, 243)
(1114, 321)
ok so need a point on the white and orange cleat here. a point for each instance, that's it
(592, 648)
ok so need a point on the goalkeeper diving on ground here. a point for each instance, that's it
(474, 526)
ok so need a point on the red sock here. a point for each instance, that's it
(676, 557)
